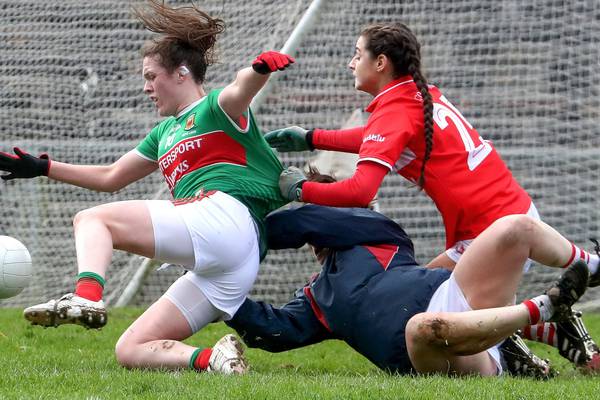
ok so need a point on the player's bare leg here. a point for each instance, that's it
(154, 341)
(488, 274)
(151, 341)
(456, 343)
(122, 225)
(491, 268)
(442, 261)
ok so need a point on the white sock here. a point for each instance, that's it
(593, 263)
(540, 309)
(592, 260)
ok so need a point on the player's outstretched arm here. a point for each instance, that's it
(104, 178)
(274, 329)
(295, 138)
(237, 96)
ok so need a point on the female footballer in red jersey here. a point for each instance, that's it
(414, 130)
(223, 177)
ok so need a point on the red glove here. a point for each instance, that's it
(271, 61)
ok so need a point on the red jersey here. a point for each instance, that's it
(465, 176)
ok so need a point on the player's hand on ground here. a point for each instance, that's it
(271, 61)
(290, 183)
(23, 165)
(292, 138)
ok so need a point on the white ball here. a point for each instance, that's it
(15, 267)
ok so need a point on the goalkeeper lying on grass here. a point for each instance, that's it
(408, 319)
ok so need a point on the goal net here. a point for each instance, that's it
(525, 74)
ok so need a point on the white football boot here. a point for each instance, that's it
(69, 309)
(228, 357)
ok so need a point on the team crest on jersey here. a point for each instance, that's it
(190, 122)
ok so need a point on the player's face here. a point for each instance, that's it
(160, 86)
(364, 69)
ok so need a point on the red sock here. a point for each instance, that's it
(202, 358)
(534, 311)
(544, 333)
(577, 254)
(89, 288)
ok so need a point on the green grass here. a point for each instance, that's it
(73, 363)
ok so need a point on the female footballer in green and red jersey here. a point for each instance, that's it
(224, 180)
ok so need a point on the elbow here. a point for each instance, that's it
(362, 198)
(365, 200)
(115, 185)
(113, 189)
(111, 184)
(108, 186)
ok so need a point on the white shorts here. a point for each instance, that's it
(459, 247)
(449, 298)
(215, 238)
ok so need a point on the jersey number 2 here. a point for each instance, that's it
(444, 112)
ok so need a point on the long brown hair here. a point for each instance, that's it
(399, 44)
(314, 175)
(188, 36)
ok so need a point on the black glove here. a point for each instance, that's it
(23, 165)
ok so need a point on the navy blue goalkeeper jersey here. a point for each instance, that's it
(369, 286)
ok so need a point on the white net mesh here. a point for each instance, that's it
(525, 74)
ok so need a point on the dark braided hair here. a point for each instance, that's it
(399, 44)
(188, 36)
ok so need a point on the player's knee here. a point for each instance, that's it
(438, 332)
(79, 218)
(514, 230)
(84, 216)
(428, 330)
(125, 353)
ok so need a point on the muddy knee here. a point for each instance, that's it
(428, 329)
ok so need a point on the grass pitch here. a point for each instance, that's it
(73, 363)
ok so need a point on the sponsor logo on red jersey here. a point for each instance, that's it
(373, 138)
(199, 151)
